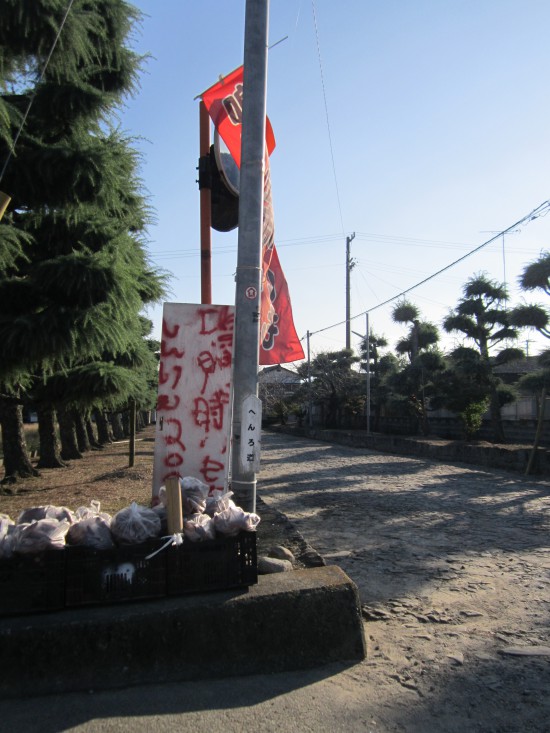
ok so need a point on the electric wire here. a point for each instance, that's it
(33, 95)
(326, 114)
(541, 210)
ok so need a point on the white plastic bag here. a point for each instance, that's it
(94, 510)
(135, 524)
(233, 520)
(199, 527)
(94, 531)
(7, 526)
(44, 534)
(218, 502)
(193, 495)
(162, 513)
(34, 514)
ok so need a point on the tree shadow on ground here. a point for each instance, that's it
(402, 528)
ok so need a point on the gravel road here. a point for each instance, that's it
(453, 569)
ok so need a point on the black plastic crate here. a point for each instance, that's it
(30, 583)
(222, 563)
(110, 576)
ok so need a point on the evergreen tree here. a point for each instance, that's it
(74, 273)
(334, 385)
(535, 277)
(414, 384)
(464, 387)
(481, 316)
(370, 363)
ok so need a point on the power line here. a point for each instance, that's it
(326, 114)
(33, 95)
(540, 210)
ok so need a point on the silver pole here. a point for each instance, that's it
(350, 264)
(249, 270)
(310, 400)
(368, 375)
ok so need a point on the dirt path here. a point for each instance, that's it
(453, 569)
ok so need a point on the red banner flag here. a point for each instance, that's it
(279, 343)
(224, 102)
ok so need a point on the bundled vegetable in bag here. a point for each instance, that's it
(199, 527)
(7, 526)
(135, 524)
(219, 501)
(162, 513)
(39, 536)
(92, 532)
(193, 495)
(92, 528)
(233, 520)
(36, 513)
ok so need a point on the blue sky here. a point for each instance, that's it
(436, 138)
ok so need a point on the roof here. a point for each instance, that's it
(519, 366)
(278, 374)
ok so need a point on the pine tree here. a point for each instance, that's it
(481, 316)
(415, 382)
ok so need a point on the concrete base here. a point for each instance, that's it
(294, 620)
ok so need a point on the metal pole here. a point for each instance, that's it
(368, 374)
(348, 296)
(206, 210)
(249, 272)
(349, 267)
(310, 404)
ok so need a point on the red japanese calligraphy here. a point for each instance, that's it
(165, 351)
(194, 393)
(173, 460)
(216, 319)
(164, 404)
(175, 439)
(210, 413)
(210, 470)
(172, 332)
(164, 376)
(207, 363)
(201, 413)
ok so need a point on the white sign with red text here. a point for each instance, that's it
(194, 394)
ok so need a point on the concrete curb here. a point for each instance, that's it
(287, 621)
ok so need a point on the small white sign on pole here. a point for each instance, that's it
(251, 434)
(194, 394)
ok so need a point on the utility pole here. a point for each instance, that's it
(367, 338)
(350, 264)
(249, 271)
(309, 395)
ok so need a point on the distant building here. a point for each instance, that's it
(276, 384)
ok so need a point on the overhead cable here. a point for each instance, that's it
(541, 210)
(33, 95)
(326, 114)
